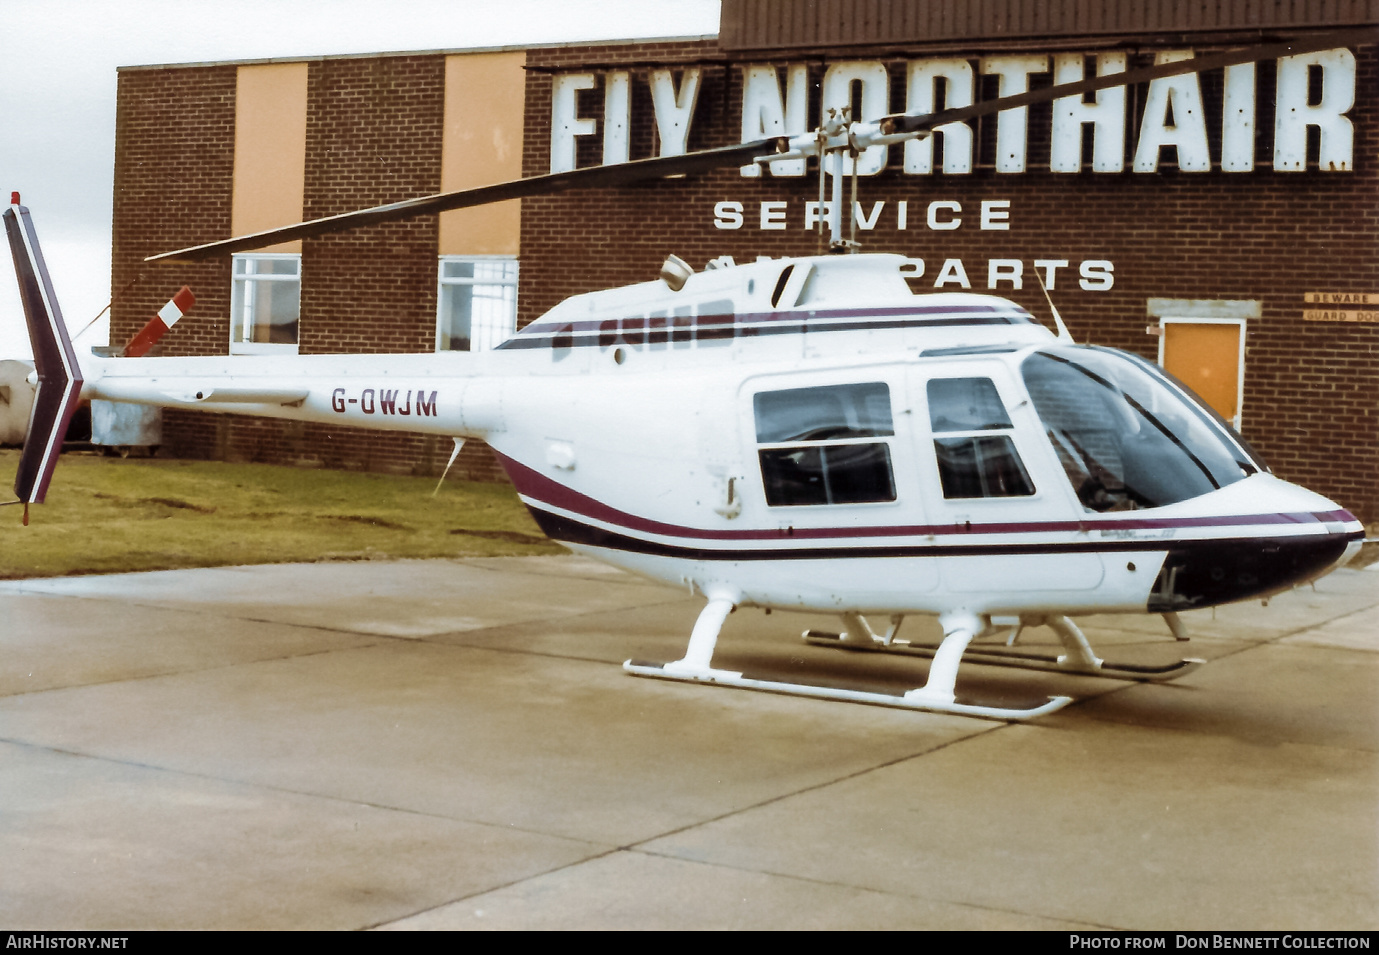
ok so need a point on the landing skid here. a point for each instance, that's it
(997, 657)
(936, 696)
(910, 701)
(1078, 657)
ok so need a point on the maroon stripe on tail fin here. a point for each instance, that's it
(59, 376)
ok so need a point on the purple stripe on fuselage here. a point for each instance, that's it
(636, 330)
(609, 338)
(789, 315)
(540, 488)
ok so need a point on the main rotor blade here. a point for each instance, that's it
(910, 122)
(743, 153)
(589, 177)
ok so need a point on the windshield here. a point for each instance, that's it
(1125, 437)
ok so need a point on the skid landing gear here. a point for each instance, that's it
(1078, 658)
(935, 696)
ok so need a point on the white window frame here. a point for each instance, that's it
(245, 320)
(492, 340)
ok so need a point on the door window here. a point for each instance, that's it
(975, 458)
(819, 445)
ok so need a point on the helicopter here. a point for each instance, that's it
(801, 434)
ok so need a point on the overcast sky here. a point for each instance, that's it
(57, 91)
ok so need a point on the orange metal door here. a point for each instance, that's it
(1206, 358)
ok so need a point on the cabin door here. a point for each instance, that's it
(998, 494)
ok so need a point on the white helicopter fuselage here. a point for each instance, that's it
(669, 432)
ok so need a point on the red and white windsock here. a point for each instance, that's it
(159, 324)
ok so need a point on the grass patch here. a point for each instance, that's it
(110, 515)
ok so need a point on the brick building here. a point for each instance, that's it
(1222, 224)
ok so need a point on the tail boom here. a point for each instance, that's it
(427, 394)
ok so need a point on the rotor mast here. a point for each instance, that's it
(837, 140)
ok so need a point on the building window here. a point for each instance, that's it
(476, 302)
(265, 300)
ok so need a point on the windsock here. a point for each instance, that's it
(159, 324)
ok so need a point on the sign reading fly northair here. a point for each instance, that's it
(1313, 90)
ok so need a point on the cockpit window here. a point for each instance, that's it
(973, 462)
(1124, 438)
(818, 444)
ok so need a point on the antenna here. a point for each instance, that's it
(1063, 334)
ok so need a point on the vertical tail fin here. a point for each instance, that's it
(59, 376)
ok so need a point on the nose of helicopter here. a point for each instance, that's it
(1296, 536)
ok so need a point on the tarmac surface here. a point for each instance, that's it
(453, 745)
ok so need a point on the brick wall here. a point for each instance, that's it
(174, 162)
(598, 238)
(373, 136)
(1311, 389)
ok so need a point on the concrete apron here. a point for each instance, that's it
(452, 744)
